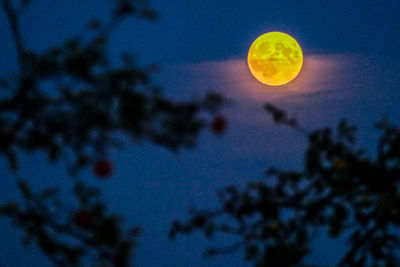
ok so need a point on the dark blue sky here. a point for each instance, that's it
(351, 69)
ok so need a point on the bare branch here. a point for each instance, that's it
(17, 36)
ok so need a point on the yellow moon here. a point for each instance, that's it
(275, 58)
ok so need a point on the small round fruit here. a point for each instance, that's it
(219, 124)
(84, 219)
(103, 168)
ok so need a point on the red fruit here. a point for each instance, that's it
(103, 168)
(83, 219)
(219, 124)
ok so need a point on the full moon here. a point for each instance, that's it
(275, 58)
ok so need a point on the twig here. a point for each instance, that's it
(16, 33)
(350, 255)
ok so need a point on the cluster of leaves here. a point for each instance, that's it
(73, 102)
(71, 99)
(68, 236)
(341, 191)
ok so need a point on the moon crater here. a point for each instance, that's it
(275, 58)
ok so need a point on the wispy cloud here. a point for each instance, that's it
(320, 73)
(327, 86)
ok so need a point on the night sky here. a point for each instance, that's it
(351, 69)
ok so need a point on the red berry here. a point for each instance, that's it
(103, 168)
(84, 219)
(219, 124)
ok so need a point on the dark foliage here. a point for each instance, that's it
(341, 191)
(73, 103)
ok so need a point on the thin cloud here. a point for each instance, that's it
(324, 78)
(320, 73)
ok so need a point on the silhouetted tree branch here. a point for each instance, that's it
(340, 190)
(73, 103)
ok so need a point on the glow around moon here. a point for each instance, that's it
(275, 58)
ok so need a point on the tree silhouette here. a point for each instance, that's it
(73, 103)
(340, 190)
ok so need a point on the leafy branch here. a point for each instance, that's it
(340, 191)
